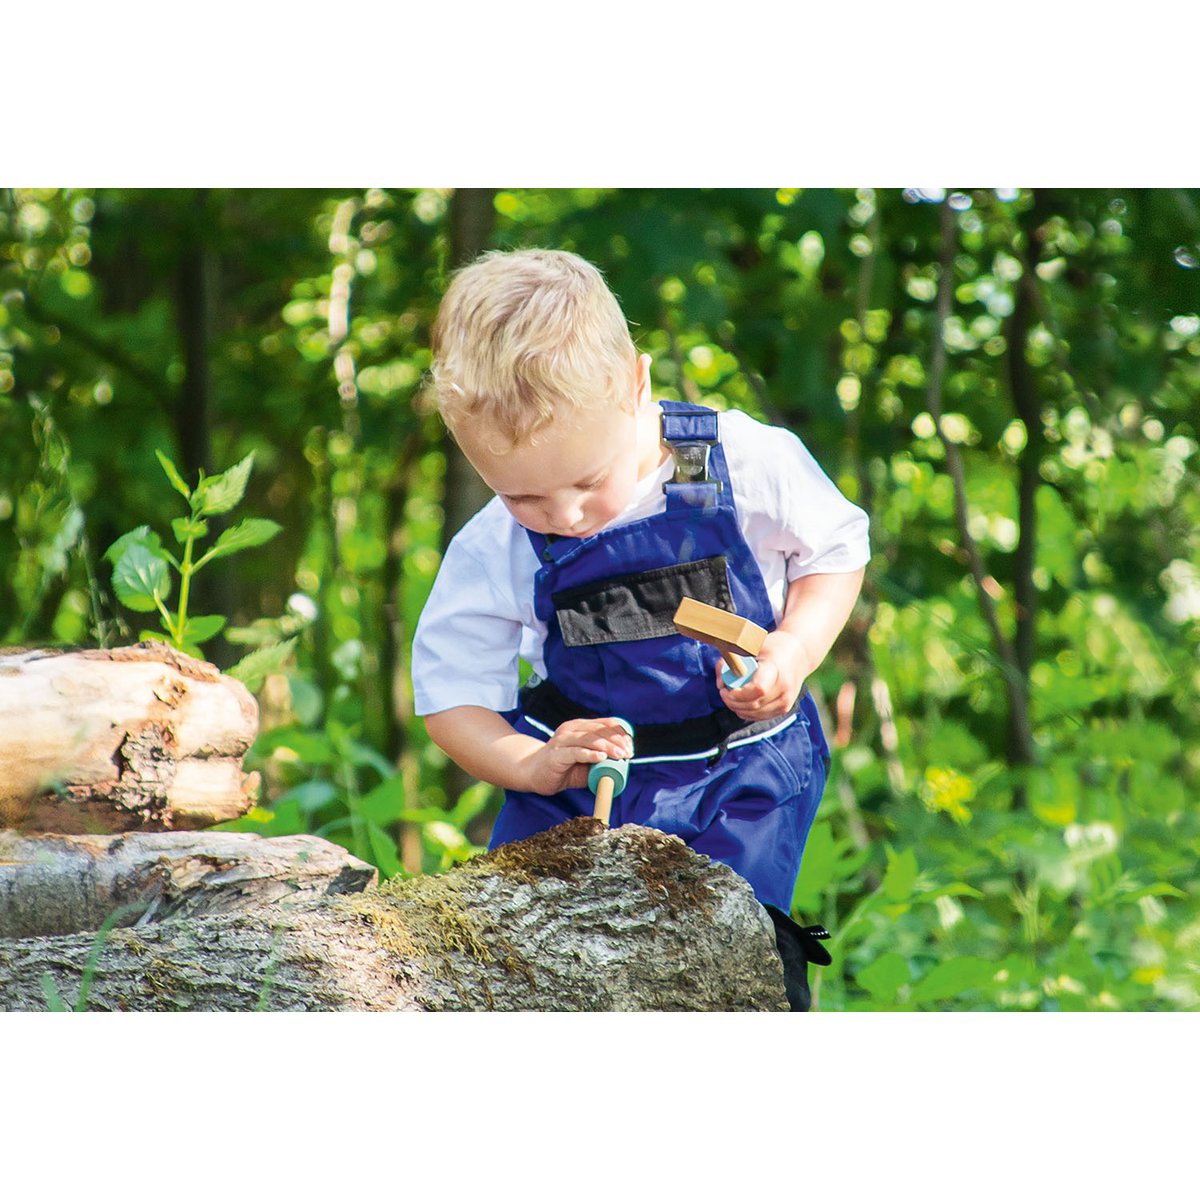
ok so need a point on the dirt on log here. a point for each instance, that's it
(105, 741)
(578, 918)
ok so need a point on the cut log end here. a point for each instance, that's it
(140, 737)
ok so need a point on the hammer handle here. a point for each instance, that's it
(734, 663)
(604, 798)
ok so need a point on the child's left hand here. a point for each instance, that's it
(782, 669)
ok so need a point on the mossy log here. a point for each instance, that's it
(578, 918)
(105, 741)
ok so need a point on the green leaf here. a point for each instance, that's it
(362, 755)
(472, 802)
(286, 818)
(311, 795)
(253, 531)
(142, 535)
(303, 744)
(820, 859)
(219, 493)
(200, 629)
(383, 851)
(54, 1000)
(188, 527)
(173, 475)
(420, 816)
(255, 667)
(385, 803)
(140, 577)
(885, 976)
(900, 876)
(948, 979)
(307, 701)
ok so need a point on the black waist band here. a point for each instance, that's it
(547, 705)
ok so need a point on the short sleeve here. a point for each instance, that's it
(788, 505)
(466, 645)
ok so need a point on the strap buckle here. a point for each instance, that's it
(691, 461)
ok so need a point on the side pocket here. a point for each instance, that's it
(793, 753)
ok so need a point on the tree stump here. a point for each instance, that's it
(577, 918)
(104, 741)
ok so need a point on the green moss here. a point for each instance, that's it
(429, 918)
(557, 853)
(669, 873)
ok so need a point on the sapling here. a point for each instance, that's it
(144, 570)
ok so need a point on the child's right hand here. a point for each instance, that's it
(565, 760)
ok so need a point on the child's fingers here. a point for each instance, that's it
(582, 754)
(749, 693)
(759, 699)
(596, 734)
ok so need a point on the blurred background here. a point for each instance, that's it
(1010, 821)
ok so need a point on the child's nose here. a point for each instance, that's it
(566, 514)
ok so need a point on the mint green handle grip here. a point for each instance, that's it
(616, 769)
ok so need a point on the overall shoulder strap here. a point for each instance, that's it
(691, 431)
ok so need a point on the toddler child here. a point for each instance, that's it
(609, 509)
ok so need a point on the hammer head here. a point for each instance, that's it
(727, 631)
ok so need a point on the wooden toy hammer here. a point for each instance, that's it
(607, 780)
(734, 636)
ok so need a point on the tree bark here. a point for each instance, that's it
(53, 884)
(140, 737)
(1021, 748)
(472, 216)
(195, 291)
(577, 918)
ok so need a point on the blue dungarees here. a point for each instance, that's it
(743, 794)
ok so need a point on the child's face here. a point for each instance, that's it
(581, 473)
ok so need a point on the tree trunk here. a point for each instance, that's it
(472, 215)
(140, 737)
(52, 884)
(577, 918)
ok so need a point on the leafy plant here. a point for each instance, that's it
(144, 569)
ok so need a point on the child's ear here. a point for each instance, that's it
(644, 390)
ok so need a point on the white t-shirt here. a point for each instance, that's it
(479, 619)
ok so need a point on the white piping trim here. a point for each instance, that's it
(758, 737)
(537, 725)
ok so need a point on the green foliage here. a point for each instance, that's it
(141, 566)
(953, 873)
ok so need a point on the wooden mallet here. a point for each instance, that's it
(734, 636)
(607, 780)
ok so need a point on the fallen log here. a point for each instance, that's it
(576, 918)
(55, 884)
(140, 737)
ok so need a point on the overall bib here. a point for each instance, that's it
(744, 794)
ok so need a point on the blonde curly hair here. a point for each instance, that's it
(524, 337)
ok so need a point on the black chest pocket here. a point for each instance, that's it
(637, 607)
